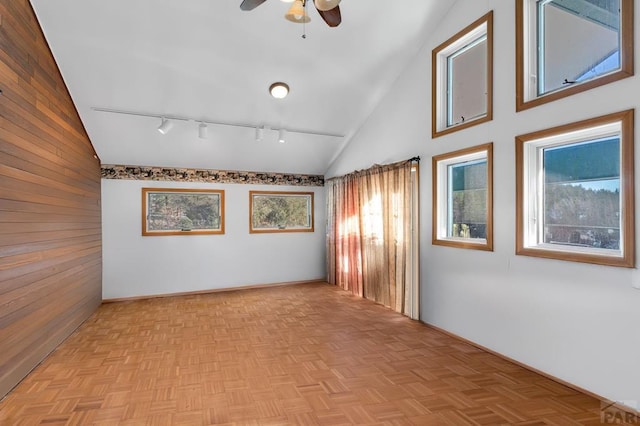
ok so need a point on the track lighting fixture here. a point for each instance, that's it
(202, 130)
(168, 121)
(165, 126)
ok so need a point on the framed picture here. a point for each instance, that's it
(168, 211)
(280, 211)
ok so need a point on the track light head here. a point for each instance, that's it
(202, 130)
(259, 133)
(165, 126)
(281, 135)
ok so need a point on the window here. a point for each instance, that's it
(281, 211)
(568, 46)
(463, 197)
(575, 192)
(182, 211)
(462, 78)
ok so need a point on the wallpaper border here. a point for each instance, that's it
(112, 171)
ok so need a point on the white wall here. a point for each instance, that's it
(134, 265)
(578, 322)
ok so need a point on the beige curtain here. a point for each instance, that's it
(369, 233)
(344, 253)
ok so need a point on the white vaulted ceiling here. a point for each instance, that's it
(208, 60)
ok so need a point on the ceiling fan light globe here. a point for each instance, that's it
(325, 5)
(297, 13)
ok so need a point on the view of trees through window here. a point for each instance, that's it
(468, 200)
(281, 211)
(174, 211)
(582, 194)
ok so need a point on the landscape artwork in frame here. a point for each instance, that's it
(280, 211)
(168, 211)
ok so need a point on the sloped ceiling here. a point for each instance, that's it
(208, 60)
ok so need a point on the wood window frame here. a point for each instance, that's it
(627, 233)
(311, 205)
(626, 60)
(148, 233)
(439, 85)
(437, 219)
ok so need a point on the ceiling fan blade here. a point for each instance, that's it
(251, 4)
(332, 17)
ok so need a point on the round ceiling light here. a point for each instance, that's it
(279, 90)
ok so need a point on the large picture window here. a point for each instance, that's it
(462, 78)
(167, 211)
(280, 211)
(575, 191)
(463, 194)
(567, 46)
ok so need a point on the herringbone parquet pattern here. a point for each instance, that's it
(308, 354)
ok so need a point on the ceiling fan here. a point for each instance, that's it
(328, 10)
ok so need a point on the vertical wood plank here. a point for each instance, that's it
(50, 224)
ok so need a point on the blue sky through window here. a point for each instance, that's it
(608, 185)
(608, 64)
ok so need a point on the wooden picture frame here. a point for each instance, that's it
(281, 211)
(171, 211)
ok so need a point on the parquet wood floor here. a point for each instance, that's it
(309, 354)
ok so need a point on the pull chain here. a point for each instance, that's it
(304, 20)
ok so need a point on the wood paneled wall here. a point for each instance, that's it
(50, 230)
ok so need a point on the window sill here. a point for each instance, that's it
(465, 243)
(578, 254)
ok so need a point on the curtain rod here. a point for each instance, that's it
(357, 172)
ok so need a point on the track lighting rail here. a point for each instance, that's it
(219, 123)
